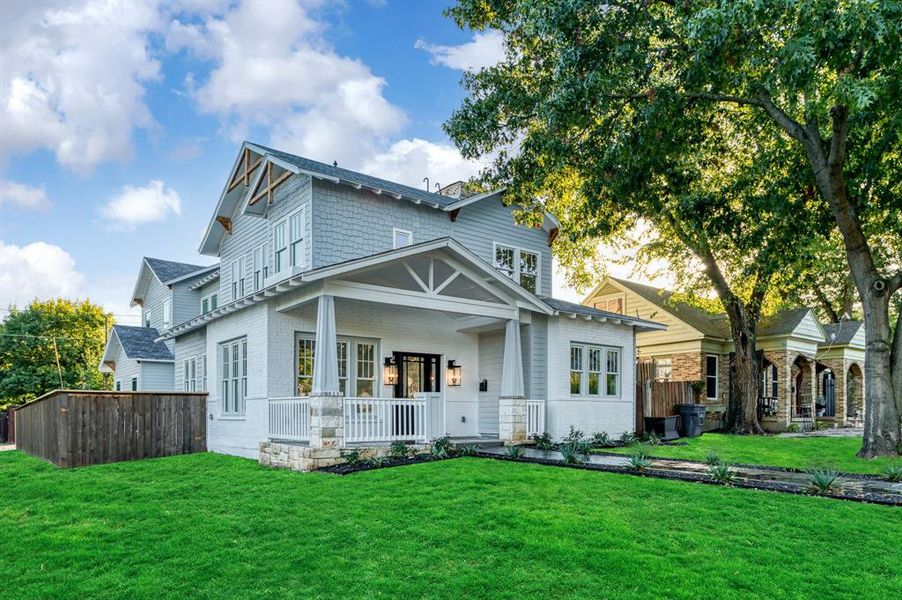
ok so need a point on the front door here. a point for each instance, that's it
(829, 386)
(417, 373)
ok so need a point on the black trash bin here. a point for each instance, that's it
(692, 419)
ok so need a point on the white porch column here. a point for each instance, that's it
(512, 401)
(326, 402)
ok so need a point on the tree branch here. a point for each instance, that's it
(893, 284)
(789, 125)
(840, 116)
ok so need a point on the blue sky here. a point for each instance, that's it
(119, 121)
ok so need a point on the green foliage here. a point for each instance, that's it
(893, 473)
(27, 358)
(792, 428)
(823, 481)
(601, 439)
(712, 458)
(352, 457)
(651, 438)
(575, 435)
(543, 441)
(398, 450)
(379, 461)
(570, 453)
(442, 445)
(721, 473)
(627, 438)
(638, 461)
(514, 451)
(469, 450)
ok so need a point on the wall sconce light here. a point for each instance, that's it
(390, 371)
(453, 373)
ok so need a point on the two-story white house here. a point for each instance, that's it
(351, 310)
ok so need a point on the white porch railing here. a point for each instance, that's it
(385, 420)
(289, 419)
(535, 417)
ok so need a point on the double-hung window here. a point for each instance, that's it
(280, 246)
(260, 267)
(520, 265)
(237, 279)
(296, 239)
(167, 313)
(712, 383)
(134, 384)
(356, 366)
(189, 374)
(202, 377)
(147, 318)
(594, 370)
(209, 303)
(234, 376)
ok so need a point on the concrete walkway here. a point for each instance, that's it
(830, 432)
(778, 480)
(4, 447)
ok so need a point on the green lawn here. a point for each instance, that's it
(218, 527)
(802, 453)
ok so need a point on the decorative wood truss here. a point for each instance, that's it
(266, 185)
(245, 169)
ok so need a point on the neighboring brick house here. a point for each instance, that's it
(805, 373)
(349, 310)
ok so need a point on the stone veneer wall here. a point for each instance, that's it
(284, 455)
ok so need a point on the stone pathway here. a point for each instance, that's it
(787, 481)
(831, 432)
(4, 447)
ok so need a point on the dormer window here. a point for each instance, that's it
(147, 318)
(401, 238)
(167, 313)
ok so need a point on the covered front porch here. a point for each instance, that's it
(413, 347)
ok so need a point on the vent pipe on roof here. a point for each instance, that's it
(426, 179)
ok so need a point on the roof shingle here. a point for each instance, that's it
(167, 270)
(139, 342)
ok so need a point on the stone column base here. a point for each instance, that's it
(512, 419)
(327, 420)
(283, 455)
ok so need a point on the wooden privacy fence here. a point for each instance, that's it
(659, 399)
(74, 428)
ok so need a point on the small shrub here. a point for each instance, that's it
(721, 473)
(514, 451)
(543, 441)
(442, 447)
(601, 439)
(627, 438)
(352, 457)
(398, 450)
(471, 450)
(651, 438)
(570, 453)
(379, 461)
(638, 461)
(893, 473)
(823, 481)
(821, 425)
(711, 458)
(792, 428)
(575, 435)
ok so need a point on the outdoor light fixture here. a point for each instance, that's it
(453, 373)
(390, 371)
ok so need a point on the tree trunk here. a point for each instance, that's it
(743, 409)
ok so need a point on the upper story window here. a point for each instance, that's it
(594, 370)
(288, 242)
(209, 303)
(167, 313)
(260, 266)
(237, 279)
(520, 265)
(401, 238)
(612, 304)
(147, 318)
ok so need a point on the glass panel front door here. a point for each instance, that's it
(417, 373)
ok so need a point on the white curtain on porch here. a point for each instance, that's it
(325, 364)
(512, 368)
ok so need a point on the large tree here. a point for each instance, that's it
(34, 338)
(823, 76)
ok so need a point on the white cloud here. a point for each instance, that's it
(72, 79)
(135, 206)
(486, 49)
(20, 195)
(272, 67)
(37, 270)
(409, 161)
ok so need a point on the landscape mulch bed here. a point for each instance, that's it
(346, 469)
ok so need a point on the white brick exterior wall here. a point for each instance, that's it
(613, 415)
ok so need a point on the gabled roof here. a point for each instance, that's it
(783, 322)
(230, 199)
(137, 343)
(562, 306)
(710, 324)
(167, 270)
(841, 334)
